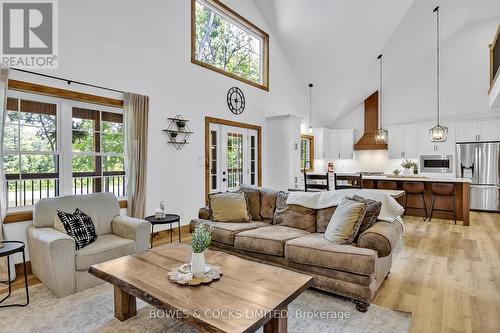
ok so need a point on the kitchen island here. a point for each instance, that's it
(462, 195)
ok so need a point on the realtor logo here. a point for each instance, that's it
(29, 33)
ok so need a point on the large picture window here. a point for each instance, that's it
(224, 41)
(56, 147)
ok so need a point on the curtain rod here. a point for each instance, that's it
(68, 80)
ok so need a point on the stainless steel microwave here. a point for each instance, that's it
(436, 163)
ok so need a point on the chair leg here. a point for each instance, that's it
(423, 209)
(454, 210)
(406, 201)
(432, 206)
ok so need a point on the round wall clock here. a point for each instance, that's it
(236, 100)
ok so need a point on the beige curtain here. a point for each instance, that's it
(136, 110)
(4, 74)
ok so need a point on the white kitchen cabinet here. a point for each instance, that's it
(466, 131)
(341, 143)
(478, 130)
(322, 143)
(489, 130)
(283, 152)
(426, 146)
(402, 141)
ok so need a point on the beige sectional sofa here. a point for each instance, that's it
(356, 270)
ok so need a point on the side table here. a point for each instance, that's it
(169, 219)
(9, 248)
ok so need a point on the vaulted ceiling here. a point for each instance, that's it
(334, 43)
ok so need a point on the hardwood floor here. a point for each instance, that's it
(448, 276)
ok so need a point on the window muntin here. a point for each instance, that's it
(38, 136)
(229, 44)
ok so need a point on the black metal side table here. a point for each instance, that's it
(169, 219)
(9, 248)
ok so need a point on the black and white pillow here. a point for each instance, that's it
(79, 226)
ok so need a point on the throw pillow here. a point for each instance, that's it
(294, 216)
(229, 207)
(253, 196)
(79, 226)
(373, 208)
(345, 221)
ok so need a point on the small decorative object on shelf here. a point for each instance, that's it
(160, 212)
(408, 167)
(396, 172)
(183, 275)
(178, 131)
(201, 238)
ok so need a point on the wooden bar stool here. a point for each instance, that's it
(443, 190)
(387, 185)
(416, 188)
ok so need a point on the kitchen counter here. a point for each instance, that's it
(417, 178)
(462, 195)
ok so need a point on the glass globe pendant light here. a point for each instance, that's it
(438, 133)
(382, 134)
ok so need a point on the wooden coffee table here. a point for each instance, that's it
(249, 295)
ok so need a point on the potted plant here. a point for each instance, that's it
(408, 167)
(201, 238)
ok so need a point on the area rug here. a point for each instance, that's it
(92, 311)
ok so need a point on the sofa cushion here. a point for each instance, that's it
(345, 222)
(224, 232)
(229, 207)
(267, 203)
(323, 217)
(253, 196)
(294, 216)
(269, 240)
(316, 250)
(105, 248)
(373, 208)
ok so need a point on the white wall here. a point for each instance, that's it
(144, 47)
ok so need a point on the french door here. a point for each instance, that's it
(233, 157)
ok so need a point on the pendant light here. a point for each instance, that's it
(310, 108)
(438, 133)
(382, 135)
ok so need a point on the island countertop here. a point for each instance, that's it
(418, 178)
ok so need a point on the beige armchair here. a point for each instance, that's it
(54, 258)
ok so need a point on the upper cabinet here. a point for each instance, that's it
(322, 143)
(402, 141)
(474, 131)
(341, 143)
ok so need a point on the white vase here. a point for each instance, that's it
(198, 264)
(407, 172)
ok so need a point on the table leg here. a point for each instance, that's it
(179, 223)
(171, 232)
(125, 305)
(278, 324)
(151, 235)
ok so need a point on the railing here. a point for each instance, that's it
(495, 58)
(26, 192)
(115, 184)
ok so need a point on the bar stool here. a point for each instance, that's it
(443, 190)
(387, 185)
(415, 188)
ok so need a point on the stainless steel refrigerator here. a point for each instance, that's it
(480, 161)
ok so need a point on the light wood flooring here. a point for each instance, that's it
(448, 276)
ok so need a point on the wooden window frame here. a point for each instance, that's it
(23, 86)
(494, 75)
(310, 138)
(248, 25)
(211, 120)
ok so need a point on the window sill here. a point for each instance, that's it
(27, 215)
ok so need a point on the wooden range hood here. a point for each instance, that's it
(367, 141)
